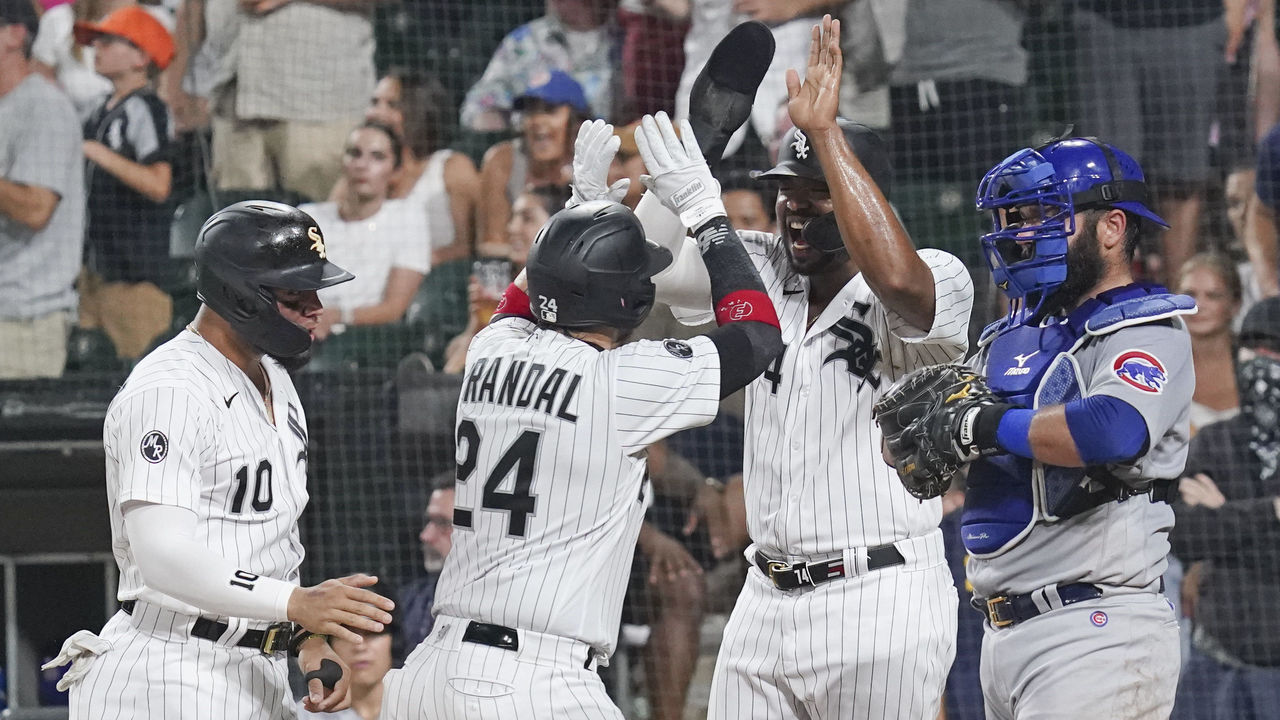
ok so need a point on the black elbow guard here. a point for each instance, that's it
(746, 349)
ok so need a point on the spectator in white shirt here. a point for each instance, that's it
(384, 242)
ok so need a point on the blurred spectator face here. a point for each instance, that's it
(581, 14)
(746, 210)
(799, 201)
(1238, 192)
(384, 106)
(527, 218)
(369, 661)
(437, 531)
(113, 55)
(546, 131)
(1213, 298)
(369, 164)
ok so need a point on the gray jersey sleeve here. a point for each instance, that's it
(1149, 367)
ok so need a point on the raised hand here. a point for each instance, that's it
(814, 103)
(677, 173)
(593, 153)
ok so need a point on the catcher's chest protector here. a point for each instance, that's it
(1034, 366)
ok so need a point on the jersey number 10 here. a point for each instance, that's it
(261, 479)
(519, 503)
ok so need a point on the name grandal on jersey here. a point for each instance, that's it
(521, 384)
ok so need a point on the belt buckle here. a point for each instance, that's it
(273, 634)
(993, 614)
(777, 566)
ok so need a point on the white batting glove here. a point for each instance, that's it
(678, 174)
(593, 154)
(78, 650)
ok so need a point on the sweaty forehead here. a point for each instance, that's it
(794, 186)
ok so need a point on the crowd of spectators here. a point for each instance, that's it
(280, 97)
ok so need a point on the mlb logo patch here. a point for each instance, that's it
(1141, 370)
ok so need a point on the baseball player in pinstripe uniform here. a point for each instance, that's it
(1073, 440)
(849, 609)
(206, 447)
(554, 419)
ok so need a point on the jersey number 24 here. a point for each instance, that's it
(520, 457)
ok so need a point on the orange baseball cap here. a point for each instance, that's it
(136, 25)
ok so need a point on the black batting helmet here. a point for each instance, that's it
(590, 266)
(245, 250)
(796, 158)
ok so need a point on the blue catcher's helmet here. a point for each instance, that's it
(1033, 196)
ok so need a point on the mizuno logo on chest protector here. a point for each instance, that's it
(1022, 361)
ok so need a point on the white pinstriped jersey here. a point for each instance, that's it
(815, 480)
(188, 428)
(552, 472)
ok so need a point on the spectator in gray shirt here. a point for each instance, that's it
(41, 206)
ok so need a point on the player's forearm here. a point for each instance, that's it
(749, 336)
(28, 205)
(171, 561)
(684, 283)
(1091, 431)
(1050, 441)
(877, 243)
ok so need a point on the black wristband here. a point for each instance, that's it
(301, 635)
(985, 426)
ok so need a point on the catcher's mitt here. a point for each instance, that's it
(927, 421)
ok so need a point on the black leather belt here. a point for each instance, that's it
(498, 636)
(501, 637)
(1006, 610)
(273, 639)
(791, 576)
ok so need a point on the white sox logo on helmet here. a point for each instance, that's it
(317, 241)
(801, 145)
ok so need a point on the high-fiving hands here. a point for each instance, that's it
(814, 103)
(593, 154)
(677, 173)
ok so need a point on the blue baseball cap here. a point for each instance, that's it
(555, 87)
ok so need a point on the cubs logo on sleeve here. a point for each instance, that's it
(1141, 370)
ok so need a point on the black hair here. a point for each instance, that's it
(427, 111)
(551, 197)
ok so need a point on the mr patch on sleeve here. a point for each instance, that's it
(154, 446)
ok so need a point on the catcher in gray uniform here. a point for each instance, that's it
(1070, 424)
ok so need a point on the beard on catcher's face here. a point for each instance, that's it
(1084, 270)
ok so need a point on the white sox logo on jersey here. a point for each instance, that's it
(801, 145)
(861, 354)
(155, 446)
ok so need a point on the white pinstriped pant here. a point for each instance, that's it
(445, 678)
(154, 669)
(875, 645)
